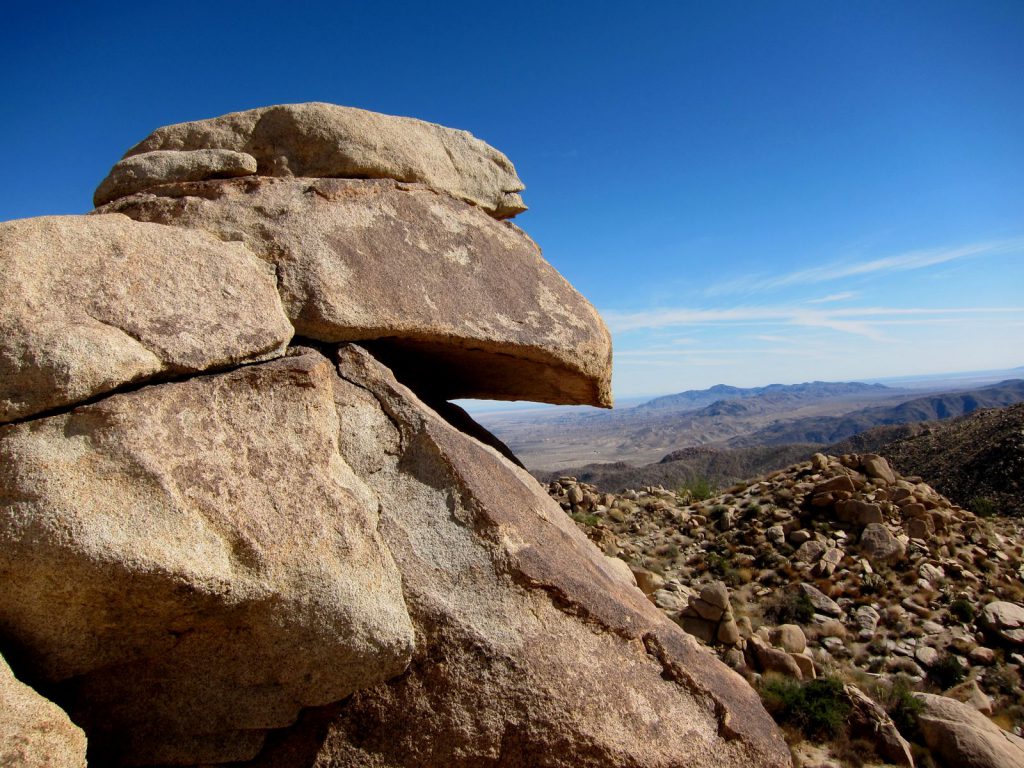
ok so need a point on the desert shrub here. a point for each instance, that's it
(696, 489)
(947, 672)
(983, 506)
(962, 610)
(900, 704)
(586, 519)
(818, 708)
(670, 551)
(1001, 679)
(790, 608)
(718, 510)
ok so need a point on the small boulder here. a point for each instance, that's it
(877, 467)
(822, 603)
(879, 546)
(1005, 620)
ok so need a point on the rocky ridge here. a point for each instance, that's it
(834, 566)
(976, 460)
(221, 542)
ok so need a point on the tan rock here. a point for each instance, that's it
(533, 653)
(1005, 620)
(198, 561)
(857, 511)
(91, 303)
(879, 546)
(790, 637)
(960, 735)
(621, 567)
(140, 172)
(869, 721)
(35, 732)
(195, 562)
(806, 665)
(327, 140)
(969, 692)
(877, 467)
(728, 632)
(774, 660)
(460, 305)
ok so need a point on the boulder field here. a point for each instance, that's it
(240, 524)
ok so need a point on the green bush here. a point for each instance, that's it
(962, 610)
(585, 519)
(696, 489)
(791, 608)
(947, 672)
(983, 506)
(818, 708)
(902, 707)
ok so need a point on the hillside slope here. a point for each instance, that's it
(975, 460)
(825, 430)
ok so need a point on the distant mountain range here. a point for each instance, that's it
(824, 430)
(694, 399)
(722, 418)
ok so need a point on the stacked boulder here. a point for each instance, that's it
(231, 533)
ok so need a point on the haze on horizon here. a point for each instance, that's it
(749, 193)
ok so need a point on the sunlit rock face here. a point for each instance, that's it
(240, 551)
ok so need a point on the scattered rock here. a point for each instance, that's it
(822, 603)
(869, 721)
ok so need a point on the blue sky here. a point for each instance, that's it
(749, 192)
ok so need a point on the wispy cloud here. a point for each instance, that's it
(859, 321)
(834, 297)
(839, 270)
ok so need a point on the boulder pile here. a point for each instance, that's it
(238, 522)
(834, 566)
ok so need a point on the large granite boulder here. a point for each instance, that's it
(193, 563)
(189, 565)
(35, 732)
(962, 737)
(326, 140)
(460, 305)
(91, 303)
(534, 650)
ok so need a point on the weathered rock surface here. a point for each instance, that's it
(326, 140)
(963, 737)
(90, 303)
(35, 732)
(1005, 620)
(460, 305)
(534, 651)
(139, 172)
(869, 721)
(191, 564)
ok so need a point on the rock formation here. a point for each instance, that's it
(216, 548)
(921, 593)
